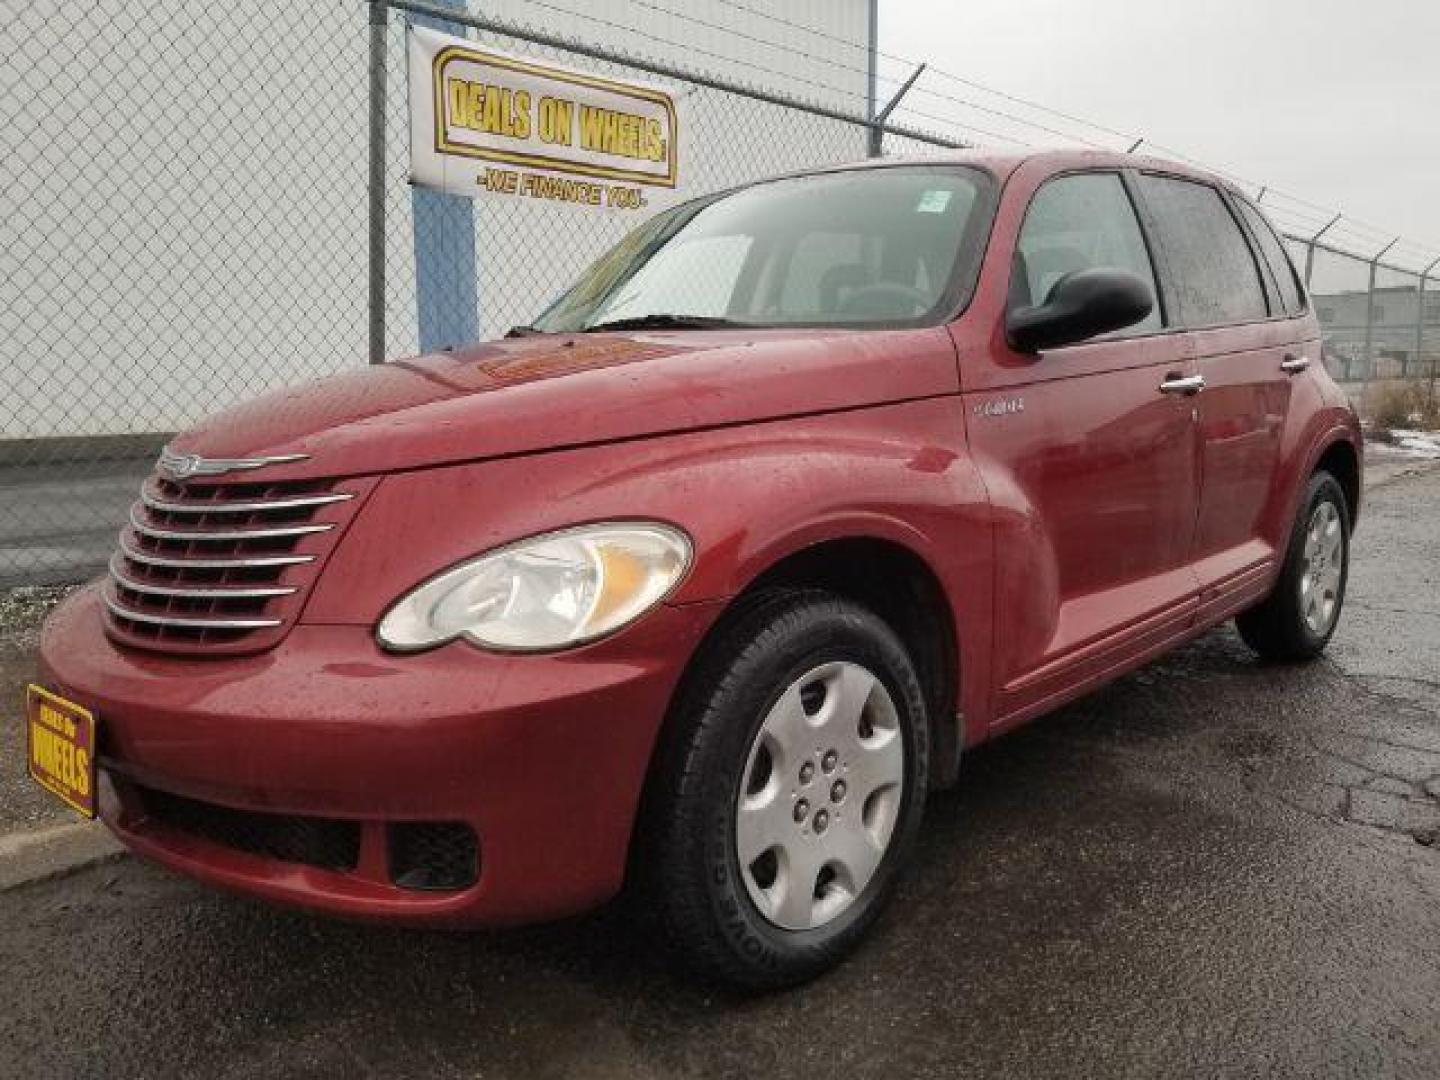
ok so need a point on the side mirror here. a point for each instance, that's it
(1080, 305)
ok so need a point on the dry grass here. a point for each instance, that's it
(1401, 404)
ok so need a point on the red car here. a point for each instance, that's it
(707, 578)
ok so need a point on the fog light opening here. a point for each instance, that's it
(433, 856)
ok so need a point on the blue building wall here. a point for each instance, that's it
(446, 302)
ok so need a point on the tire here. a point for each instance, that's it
(1295, 622)
(784, 651)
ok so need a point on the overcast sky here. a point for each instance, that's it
(1335, 101)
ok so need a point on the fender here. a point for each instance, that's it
(748, 496)
(1316, 449)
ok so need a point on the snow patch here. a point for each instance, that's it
(1418, 444)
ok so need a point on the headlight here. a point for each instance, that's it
(548, 592)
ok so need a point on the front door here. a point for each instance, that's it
(1091, 467)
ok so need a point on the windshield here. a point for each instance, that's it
(893, 246)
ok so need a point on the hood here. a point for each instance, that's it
(550, 392)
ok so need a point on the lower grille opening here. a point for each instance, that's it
(433, 855)
(319, 842)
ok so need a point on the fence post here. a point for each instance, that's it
(1310, 254)
(379, 23)
(1419, 319)
(877, 130)
(872, 73)
(1420, 334)
(1370, 311)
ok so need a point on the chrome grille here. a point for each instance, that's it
(209, 566)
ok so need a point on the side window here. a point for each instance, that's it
(1080, 222)
(1275, 254)
(1215, 275)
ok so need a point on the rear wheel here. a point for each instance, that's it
(1297, 619)
(789, 790)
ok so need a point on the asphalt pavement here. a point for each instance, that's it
(1213, 867)
(58, 522)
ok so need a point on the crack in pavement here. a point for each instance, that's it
(1393, 610)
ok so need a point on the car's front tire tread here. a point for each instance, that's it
(687, 864)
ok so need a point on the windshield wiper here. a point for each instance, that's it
(525, 331)
(663, 321)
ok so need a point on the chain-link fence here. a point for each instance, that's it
(1381, 326)
(525, 251)
(187, 219)
(205, 201)
(183, 228)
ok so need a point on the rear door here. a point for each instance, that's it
(1245, 342)
(1090, 467)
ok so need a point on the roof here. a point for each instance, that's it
(1003, 163)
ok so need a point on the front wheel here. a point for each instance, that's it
(1297, 619)
(789, 790)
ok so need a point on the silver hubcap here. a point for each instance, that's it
(1320, 571)
(819, 796)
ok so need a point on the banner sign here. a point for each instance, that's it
(484, 122)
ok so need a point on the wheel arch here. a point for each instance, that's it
(1341, 460)
(899, 585)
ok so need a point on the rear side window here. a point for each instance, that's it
(1215, 276)
(1080, 222)
(1281, 268)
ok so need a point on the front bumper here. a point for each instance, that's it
(544, 757)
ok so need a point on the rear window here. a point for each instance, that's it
(1214, 273)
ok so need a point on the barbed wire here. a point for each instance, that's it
(688, 47)
(950, 126)
(1300, 212)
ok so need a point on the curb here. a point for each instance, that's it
(36, 854)
(139, 449)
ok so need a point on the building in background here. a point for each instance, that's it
(1402, 345)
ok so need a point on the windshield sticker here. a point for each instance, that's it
(933, 202)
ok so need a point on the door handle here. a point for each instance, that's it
(1293, 365)
(1183, 384)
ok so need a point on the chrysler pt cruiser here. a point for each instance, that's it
(705, 580)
